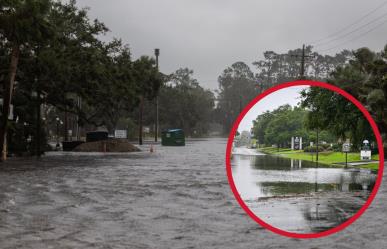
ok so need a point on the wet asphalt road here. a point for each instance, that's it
(173, 198)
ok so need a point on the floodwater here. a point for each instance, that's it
(299, 196)
(177, 197)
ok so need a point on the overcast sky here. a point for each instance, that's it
(209, 35)
(290, 95)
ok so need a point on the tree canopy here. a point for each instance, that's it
(185, 104)
(364, 78)
(280, 125)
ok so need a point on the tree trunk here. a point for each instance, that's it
(7, 98)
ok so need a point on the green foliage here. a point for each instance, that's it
(237, 87)
(148, 80)
(260, 125)
(275, 68)
(364, 78)
(62, 57)
(337, 147)
(278, 126)
(185, 104)
(313, 149)
(24, 22)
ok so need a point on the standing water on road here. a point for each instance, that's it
(297, 196)
(176, 197)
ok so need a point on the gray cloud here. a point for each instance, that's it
(209, 35)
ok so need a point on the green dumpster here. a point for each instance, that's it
(173, 137)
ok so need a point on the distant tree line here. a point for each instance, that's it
(183, 103)
(239, 84)
(277, 127)
(362, 73)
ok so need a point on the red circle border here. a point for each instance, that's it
(358, 105)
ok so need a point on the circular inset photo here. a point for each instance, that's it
(304, 159)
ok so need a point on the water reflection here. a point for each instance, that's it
(316, 198)
(263, 175)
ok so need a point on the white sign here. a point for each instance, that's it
(146, 129)
(120, 134)
(365, 155)
(346, 147)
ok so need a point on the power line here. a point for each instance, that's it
(355, 38)
(351, 32)
(352, 24)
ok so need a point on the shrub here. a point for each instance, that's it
(313, 149)
(337, 147)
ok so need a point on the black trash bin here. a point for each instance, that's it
(94, 136)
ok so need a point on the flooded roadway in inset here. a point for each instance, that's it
(299, 196)
(177, 197)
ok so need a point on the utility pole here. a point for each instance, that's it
(77, 124)
(240, 104)
(302, 66)
(317, 146)
(141, 107)
(157, 53)
(302, 73)
(302, 77)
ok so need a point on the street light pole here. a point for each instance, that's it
(157, 53)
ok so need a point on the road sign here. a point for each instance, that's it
(346, 147)
(120, 134)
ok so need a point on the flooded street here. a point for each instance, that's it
(294, 195)
(177, 197)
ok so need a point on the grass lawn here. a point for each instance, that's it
(374, 166)
(328, 158)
